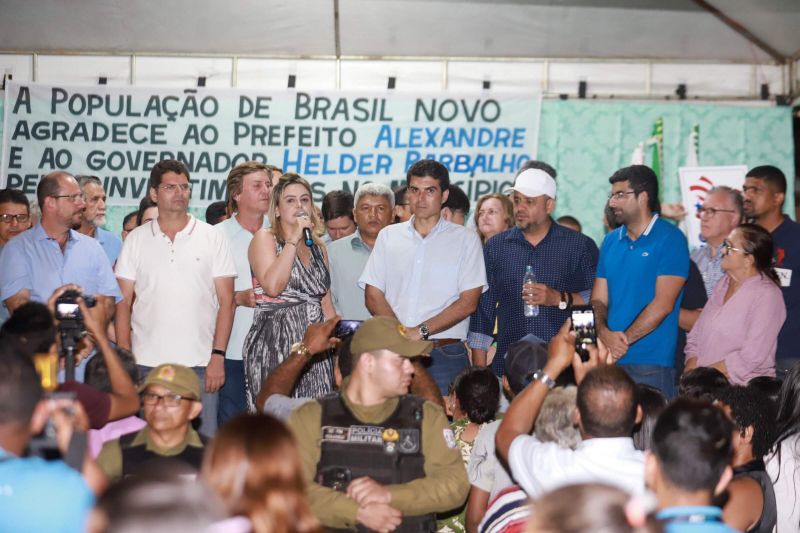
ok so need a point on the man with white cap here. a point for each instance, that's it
(563, 261)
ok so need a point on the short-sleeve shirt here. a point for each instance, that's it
(564, 260)
(420, 277)
(787, 265)
(39, 495)
(175, 309)
(631, 269)
(239, 239)
(348, 256)
(33, 260)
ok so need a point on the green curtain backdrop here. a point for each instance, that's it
(587, 141)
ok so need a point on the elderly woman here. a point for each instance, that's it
(737, 332)
(494, 214)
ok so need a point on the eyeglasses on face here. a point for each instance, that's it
(710, 211)
(74, 198)
(728, 248)
(172, 187)
(8, 218)
(619, 195)
(170, 400)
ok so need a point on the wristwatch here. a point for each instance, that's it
(562, 304)
(300, 349)
(424, 331)
(539, 375)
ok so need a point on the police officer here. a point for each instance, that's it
(171, 398)
(378, 458)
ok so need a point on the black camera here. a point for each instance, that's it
(70, 326)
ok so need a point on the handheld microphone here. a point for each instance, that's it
(307, 237)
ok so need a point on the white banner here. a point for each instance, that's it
(336, 140)
(695, 184)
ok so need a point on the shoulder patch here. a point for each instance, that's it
(449, 438)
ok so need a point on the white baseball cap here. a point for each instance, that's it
(534, 182)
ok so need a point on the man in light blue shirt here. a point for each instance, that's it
(94, 216)
(348, 256)
(722, 211)
(52, 254)
(249, 189)
(428, 273)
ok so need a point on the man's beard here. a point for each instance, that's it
(99, 221)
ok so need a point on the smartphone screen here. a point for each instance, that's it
(583, 325)
(346, 327)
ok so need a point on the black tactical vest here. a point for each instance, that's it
(136, 457)
(389, 453)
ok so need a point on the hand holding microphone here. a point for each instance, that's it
(307, 236)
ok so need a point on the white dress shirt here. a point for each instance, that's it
(420, 277)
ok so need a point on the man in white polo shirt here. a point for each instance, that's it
(249, 188)
(428, 273)
(179, 274)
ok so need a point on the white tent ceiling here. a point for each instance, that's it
(628, 29)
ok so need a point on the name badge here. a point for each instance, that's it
(785, 275)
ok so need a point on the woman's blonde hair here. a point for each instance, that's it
(290, 178)
(254, 466)
(508, 211)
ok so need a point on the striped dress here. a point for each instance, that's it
(280, 322)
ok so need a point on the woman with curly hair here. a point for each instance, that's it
(254, 466)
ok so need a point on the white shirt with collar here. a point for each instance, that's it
(175, 310)
(239, 239)
(420, 277)
(540, 467)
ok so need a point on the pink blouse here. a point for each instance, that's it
(743, 331)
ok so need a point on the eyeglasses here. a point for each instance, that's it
(172, 187)
(727, 248)
(19, 218)
(710, 211)
(170, 400)
(74, 198)
(619, 195)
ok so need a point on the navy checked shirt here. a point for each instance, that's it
(564, 260)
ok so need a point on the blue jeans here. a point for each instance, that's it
(232, 399)
(446, 363)
(660, 377)
(208, 416)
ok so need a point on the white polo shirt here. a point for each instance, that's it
(420, 277)
(175, 305)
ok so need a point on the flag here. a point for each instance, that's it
(654, 157)
(693, 147)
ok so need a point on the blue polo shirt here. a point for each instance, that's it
(787, 265)
(631, 269)
(34, 261)
(693, 519)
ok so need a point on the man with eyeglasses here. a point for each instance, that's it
(93, 217)
(171, 398)
(721, 212)
(15, 217)
(764, 193)
(181, 272)
(641, 273)
(37, 262)
(249, 189)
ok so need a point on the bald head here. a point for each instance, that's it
(607, 403)
(51, 185)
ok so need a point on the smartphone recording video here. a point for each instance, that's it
(584, 328)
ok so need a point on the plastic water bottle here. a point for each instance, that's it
(530, 279)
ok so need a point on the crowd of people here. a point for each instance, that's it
(384, 362)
